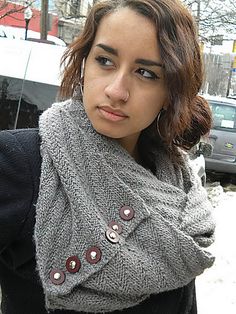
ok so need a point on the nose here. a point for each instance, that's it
(117, 89)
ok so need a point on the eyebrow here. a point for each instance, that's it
(138, 61)
(148, 62)
(108, 49)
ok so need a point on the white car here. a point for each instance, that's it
(19, 33)
(29, 81)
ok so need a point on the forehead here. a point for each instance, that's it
(129, 29)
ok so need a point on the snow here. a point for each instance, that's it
(216, 287)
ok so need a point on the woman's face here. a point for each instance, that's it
(124, 88)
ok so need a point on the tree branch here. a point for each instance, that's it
(15, 9)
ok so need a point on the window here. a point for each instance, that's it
(224, 116)
(30, 98)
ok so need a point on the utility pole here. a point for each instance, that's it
(229, 80)
(44, 20)
(198, 14)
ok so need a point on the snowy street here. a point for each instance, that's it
(216, 288)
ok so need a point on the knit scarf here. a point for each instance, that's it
(108, 232)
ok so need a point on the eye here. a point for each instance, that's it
(148, 74)
(104, 61)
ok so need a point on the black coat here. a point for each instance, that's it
(21, 288)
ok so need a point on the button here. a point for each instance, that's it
(73, 264)
(93, 255)
(126, 213)
(57, 276)
(115, 226)
(112, 236)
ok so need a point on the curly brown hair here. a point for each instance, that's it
(188, 116)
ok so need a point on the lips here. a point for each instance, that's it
(115, 112)
(111, 114)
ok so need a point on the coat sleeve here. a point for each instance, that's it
(16, 188)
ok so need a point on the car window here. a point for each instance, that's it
(21, 102)
(29, 81)
(224, 117)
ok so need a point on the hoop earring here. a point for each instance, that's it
(81, 86)
(81, 80)
(158, 122)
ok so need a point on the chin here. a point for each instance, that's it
(108, 132)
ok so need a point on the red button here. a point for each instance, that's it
(93, 255)
(57, 276)
(73, 264)
(126, 213)
(115, 226)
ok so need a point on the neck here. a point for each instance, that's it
(130, 145)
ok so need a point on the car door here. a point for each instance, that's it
(223, 133)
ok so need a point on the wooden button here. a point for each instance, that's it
(115, 226)
(73, 264)
(57, 276)
(93, 255)
(126, 212)
(112, 236)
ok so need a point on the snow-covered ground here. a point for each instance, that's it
(216, 288)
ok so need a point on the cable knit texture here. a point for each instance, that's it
(85, 179)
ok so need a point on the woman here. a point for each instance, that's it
(119, 222)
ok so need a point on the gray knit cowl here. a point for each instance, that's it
(108, 232)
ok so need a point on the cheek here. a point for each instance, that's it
(152, 103)
(149, 107)
(93, 86)
(91, 91)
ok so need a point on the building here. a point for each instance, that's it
(72, 15)
(65, 18)
(16, 19)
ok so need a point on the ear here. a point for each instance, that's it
(165, 105)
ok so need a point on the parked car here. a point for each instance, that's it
(222, 136)
(29, 81)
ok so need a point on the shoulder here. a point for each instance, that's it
(25, 142)
(19, 177)
(18, 135)
(20, 152)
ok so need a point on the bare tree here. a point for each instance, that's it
(213, 16)
(6, 10)
(69, 9)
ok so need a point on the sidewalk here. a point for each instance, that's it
(216, 288)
